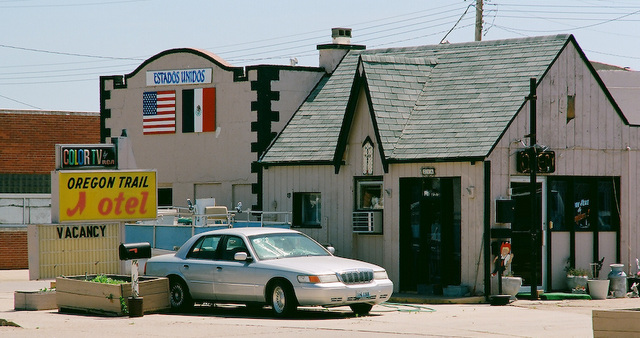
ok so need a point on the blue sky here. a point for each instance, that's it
(52, 53)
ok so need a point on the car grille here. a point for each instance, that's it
(356, 276)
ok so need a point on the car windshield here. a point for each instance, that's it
(274, 246)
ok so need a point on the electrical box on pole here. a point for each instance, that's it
(546, 161)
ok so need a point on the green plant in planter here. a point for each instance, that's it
(577, 272)
(106, 280)
(123, 303)
(577, 279)
(123, 306)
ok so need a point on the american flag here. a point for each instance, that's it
(159, 112)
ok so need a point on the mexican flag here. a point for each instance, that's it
(198, 110)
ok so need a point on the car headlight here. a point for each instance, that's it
(317, 278)
(380, 275)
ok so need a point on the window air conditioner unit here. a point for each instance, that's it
(367, 222)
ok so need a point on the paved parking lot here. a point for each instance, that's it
(523, 318)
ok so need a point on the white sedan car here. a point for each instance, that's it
(268, 266)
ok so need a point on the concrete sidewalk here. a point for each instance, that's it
(522, 318)
(18, 280)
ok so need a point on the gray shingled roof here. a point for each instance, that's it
(430, 102)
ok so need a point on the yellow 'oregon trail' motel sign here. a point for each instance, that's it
(103, 195)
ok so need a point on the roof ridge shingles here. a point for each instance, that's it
(447, 111)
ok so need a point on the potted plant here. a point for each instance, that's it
(598, 288)
(577, 279)
(511, 284)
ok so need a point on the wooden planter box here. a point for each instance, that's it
(34, 300)
(75, 293)
(616, 323)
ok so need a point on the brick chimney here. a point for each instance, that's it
(331, 54)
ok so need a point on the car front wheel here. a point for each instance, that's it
(361, 309)
(179, 296)
(283, 300)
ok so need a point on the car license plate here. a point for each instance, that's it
(363, 295)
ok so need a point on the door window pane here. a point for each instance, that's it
(430, 238)
(608, 219)
(581, 206)
(556, 205)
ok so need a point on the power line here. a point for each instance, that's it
(24, 103)
(72, 5)
(457, 22)
(580, 27)
(68, 54)
(67, 70)
(314, 39)
(611, 54)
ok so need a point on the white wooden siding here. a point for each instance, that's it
(596, 143)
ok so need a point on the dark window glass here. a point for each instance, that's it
(307, 208)
(556, 205)
(608, 219)
(165, 197)
(233, 245)
(205, 248)
(583, 204)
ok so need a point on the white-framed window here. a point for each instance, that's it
(368, 205)
(369, 194)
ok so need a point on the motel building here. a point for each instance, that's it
(413, 158)
(417, 159)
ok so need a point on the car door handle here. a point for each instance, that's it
(218, 268)
(186, 266)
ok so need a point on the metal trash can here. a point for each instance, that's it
(135, 307)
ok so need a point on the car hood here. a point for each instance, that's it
(318, 264)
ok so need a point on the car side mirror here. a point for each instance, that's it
(332, 250)
(242, 257)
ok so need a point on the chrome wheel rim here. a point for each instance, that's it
(177, 296)
(278, 299)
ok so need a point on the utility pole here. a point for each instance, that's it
(533, 185)
(478, 20)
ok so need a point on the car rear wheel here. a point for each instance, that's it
(283, 300)
(179, 296)
(361, 309)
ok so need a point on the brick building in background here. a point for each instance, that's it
(27, 157)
